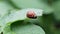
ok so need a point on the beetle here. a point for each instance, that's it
(31, 14)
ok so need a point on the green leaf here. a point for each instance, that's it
(5, 7)
(11, 18)
(38, 20)
(17, 28)
(17, 15)
(33, 4)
